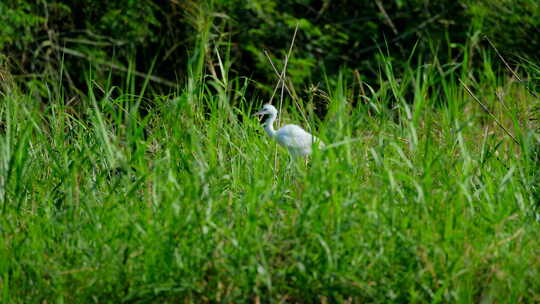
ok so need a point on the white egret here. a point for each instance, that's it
(293, 137)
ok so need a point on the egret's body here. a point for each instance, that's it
(294, 138)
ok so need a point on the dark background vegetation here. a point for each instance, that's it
(39, 38)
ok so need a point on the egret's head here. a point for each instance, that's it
(267, 109)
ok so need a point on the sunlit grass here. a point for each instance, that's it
(435, 203)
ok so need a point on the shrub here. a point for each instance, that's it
(41, 36)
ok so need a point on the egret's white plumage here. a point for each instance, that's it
(293, 137)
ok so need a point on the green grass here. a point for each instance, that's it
(435, 203)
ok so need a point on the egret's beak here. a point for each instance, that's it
(261, 112)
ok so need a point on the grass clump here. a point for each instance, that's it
(100, 202)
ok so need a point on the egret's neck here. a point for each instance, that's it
(269, 125)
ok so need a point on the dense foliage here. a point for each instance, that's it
(39, 36)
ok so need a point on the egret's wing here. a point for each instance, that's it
(297, 140)
(292, 136)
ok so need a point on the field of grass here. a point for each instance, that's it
(118, 197)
